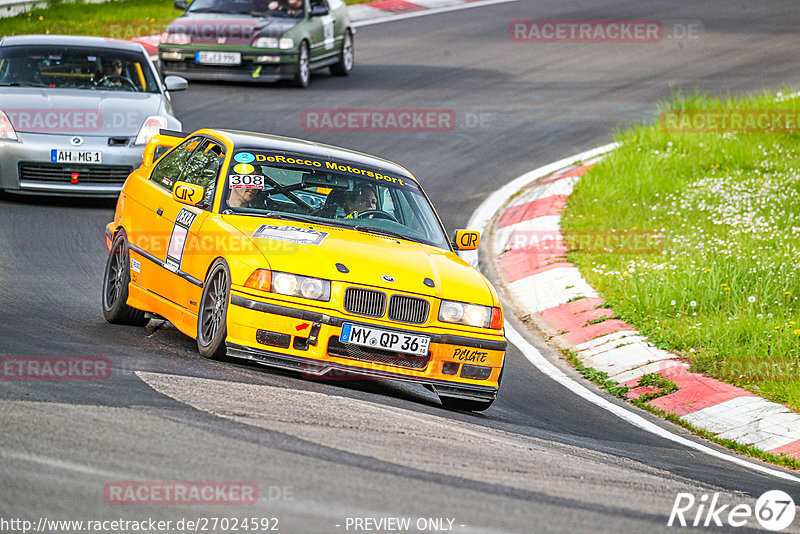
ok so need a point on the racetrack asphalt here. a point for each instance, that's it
(540, 460)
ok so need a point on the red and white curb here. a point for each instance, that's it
(552, 292)
(380, 11)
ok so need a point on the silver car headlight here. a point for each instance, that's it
(306, 287)
(150, 128)
(463, 313)
(6, 128)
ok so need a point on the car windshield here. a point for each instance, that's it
(75, 67)
(271, 8)
(303, 188)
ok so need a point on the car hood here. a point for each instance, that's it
(221, 28)
(315, 250)
(79, 111)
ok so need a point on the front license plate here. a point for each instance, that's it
(384, 339)
(75, 156)
(218, 58)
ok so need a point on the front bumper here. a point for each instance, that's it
(26, 166)
(283, 67)
(308, 342)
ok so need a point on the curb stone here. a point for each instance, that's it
(545, 286)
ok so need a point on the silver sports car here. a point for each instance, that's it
(76, 112)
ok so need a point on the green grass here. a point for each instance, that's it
(722, 289)
(116, 19)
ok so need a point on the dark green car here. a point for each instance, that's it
(257, 40)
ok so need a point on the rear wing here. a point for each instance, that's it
(160, 144)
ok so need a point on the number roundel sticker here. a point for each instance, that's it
(244, 157)
(243, 168)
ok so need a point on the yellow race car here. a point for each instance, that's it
(306, 257)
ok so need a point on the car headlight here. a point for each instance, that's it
(266, 42)
(176, 38)
(284, 43)
(6, 128)
(306, 287)
(469, 314)
(150, 128)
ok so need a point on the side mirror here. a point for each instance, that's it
(183, 5)
(188, 194)
(318, 11)
(466, 240)
(175, 83)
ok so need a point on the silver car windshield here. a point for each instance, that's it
(74, 67)
(342, 194)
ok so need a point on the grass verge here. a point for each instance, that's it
(722, 287)
(119, 19)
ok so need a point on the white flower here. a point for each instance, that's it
(693, 303)
(672, 303)
(751, 299)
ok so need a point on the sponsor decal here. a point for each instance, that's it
(244, 157)
(470, 355)
(136, 265)
(243, 168)
(335, 166)
(177, 241)
(290, 234)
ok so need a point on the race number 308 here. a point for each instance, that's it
(246, 181)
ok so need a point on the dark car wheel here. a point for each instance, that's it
(115, 286)
(467, 405)
(212, 319)
(303, 76)
(346, 57)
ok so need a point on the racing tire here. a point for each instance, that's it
(115, 286)
(303, 76)
(212, 328)
(346, 57)
(466, 405)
